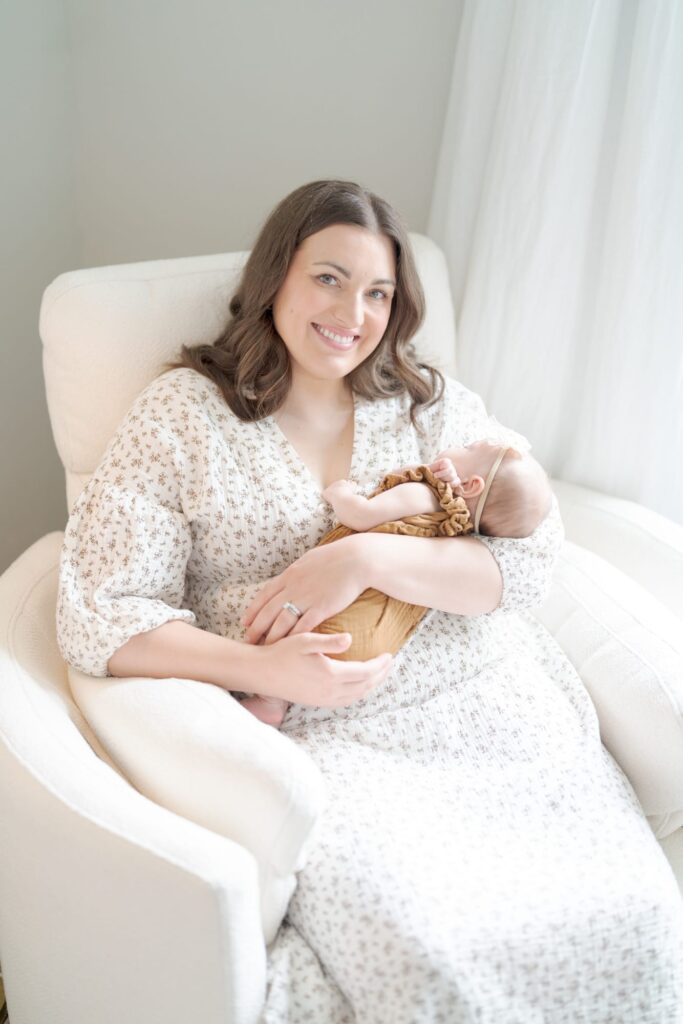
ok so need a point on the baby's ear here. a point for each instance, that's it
(471, 487)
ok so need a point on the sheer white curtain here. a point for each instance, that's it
(559, 202)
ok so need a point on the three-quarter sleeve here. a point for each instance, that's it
(525, 563)
(128, 540)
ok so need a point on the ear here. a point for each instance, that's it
(471, 487)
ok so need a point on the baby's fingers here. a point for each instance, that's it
(443, 469)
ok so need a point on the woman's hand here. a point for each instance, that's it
(297, 669)
(320, 584)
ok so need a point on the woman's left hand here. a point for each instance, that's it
(320, 584)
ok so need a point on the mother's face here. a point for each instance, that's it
(333, 307)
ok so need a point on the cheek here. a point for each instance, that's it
(287, 309)
(382, 320)
(301, 307)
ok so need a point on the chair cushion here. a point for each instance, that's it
(191, 748)
(627, 648)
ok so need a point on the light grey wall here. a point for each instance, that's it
(38, 239)
(194, 118)
(185, 122)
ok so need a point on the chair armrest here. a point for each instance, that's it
(647, 546)
(159, 915)
(193, 749)
(626, 647)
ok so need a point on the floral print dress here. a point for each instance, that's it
(481, 858)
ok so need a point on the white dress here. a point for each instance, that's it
(482, 858)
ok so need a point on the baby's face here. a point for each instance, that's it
(474, 459)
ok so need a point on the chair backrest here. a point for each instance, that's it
(108, 331)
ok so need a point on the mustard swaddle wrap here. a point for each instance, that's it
(379, 623)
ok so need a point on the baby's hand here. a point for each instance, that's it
(443, 469)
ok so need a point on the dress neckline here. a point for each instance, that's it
(297, 464)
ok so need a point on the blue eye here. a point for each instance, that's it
(331, 277)
(378, 291)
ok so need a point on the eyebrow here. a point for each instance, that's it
(346, 273)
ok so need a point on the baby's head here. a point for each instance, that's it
(507, 492)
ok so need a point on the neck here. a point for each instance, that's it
(316, 400)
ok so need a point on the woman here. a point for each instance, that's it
(481, 858)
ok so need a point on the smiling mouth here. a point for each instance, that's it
(338, 340)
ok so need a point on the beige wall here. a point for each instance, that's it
(157, 129)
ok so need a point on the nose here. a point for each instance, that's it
(349, 310)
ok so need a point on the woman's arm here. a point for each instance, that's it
(461, 575)
(458, 574)
(489, 572)
(178, 649)
(455, 574)
(298, 668)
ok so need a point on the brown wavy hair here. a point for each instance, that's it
(249, 362)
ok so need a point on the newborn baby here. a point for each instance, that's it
(486, 487)
(506, 492)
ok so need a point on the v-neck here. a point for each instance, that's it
(295, 461)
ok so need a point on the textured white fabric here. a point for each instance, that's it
(481, 856)
(646, 546)
(192, 749)
(559, 202)
(160, 915)
(629, 653)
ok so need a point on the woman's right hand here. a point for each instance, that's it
(297, 668)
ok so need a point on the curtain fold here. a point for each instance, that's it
(558, 200)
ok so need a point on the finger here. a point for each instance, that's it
(376, 679)
(265, 618)
(380, 670)
(308, 622)
(447, 472)
(322, 643)
(356, 691)
(357, 671)
(284, 625)
(260, 599)
(255, 608)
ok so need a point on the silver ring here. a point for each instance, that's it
(293, 609)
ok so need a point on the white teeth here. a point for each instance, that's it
(338, 338)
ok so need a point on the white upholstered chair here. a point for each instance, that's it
(123, 897)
